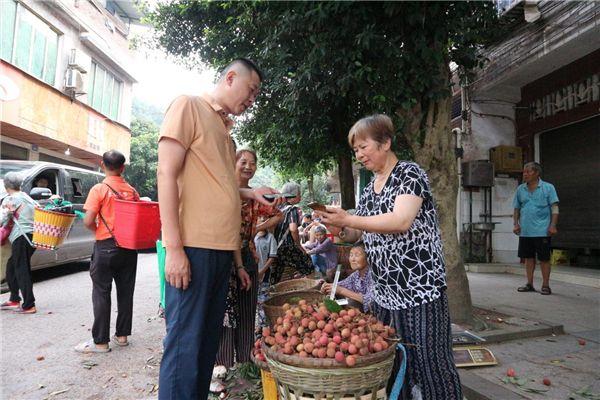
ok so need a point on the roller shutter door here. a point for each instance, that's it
(570, 158)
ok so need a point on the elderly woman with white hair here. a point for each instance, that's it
(290, 253)
(18, 208)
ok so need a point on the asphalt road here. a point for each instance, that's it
(38, 360)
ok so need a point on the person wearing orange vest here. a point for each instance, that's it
(109, 261)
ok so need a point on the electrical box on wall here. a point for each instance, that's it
(507, 159)
(478, 173)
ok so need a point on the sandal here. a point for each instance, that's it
(546, 290)
(116, 341)
(90, 347)
(216, 387)
(527, 288)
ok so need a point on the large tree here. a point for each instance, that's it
(328, 64)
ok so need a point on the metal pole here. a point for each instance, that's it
(470, 225)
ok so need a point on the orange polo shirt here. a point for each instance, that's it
(209, 199)
(101, 200)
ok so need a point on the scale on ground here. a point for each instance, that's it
(468, 351)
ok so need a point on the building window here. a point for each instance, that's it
(104, 91)
(28, 42)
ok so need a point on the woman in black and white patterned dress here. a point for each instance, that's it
(397, 219)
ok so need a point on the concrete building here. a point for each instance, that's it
(539, 96)
(65, 79)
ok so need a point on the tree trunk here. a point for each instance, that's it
(310, 184)
(346, 181)
(428, 132)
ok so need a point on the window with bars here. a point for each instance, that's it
(104, 91)
(27, 41)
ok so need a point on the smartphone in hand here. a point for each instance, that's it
(278, 195)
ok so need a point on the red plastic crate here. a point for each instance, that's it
(137, 224)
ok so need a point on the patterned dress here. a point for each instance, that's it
(237, 336)
(409, 284)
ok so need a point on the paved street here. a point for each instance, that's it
(569, 365)
(63, 320)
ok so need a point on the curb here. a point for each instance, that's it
(477, 388)
(587, 280)
(541, 328)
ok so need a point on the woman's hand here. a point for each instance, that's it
(245, 281)
(334, 216)
(326, 288)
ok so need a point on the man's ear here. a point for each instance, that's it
(229, 77)
(122, 169)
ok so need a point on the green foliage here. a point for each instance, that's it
(141, 172)
(146, 112)
(327, 64)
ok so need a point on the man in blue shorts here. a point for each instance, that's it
(535, 218)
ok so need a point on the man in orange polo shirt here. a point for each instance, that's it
(109, 262)
(200, 210)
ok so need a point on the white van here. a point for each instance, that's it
(72, 184)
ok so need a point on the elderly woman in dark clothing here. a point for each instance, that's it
(19, 207)
(398, 220)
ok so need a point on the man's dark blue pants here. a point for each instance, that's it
(194, 319)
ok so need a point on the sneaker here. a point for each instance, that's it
(219, 372)
(30, 310)
(10, 305)
(216, 386)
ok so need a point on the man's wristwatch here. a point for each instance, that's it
(238, 267)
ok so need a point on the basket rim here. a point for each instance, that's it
(260, 364)
(295, 293)
(314, 282)
(327, 363)
(146, 202)
(55, 212)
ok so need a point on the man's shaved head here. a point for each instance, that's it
(242, 65)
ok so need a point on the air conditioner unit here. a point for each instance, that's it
(75, 82)
(79, 60)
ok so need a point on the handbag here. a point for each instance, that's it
(5, 230)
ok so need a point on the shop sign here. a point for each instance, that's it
(95, 137)
(566, 98)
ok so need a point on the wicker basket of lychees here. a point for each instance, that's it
(321, 348)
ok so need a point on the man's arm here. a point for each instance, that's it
(89, 221)
(516, 218)
(552, 228)
(92, 206)
(171, 155)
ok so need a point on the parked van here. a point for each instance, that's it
(72, 184)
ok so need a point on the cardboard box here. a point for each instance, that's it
(507, 159)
